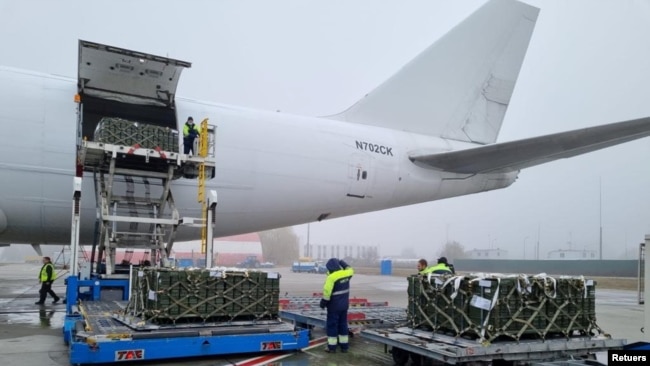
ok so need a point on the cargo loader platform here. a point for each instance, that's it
(305, 312)
(141, 161)
(98, 336)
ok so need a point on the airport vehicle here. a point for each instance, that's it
(320, 267)
(250, 262)
(309, 267)
(142, 214)
(428, 133)
(300, 266)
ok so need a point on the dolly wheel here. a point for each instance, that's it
(400, 356)
(416, 359)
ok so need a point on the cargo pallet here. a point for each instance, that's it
(96, 336)
(420, 345)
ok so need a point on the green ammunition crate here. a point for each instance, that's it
(164, 296)
(498, 307)
(124, 132)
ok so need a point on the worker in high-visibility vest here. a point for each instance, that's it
(190, 132)
(443, 267)
(422, 266)
(336, 298)
(47, 277)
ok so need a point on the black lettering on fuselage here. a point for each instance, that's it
(376, 148)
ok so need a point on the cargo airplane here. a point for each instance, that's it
(427, 133)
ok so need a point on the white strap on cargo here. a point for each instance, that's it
(527, 288)
(495, 298)
(456, 283)
(429, 275)
(583, 283)
(437, 279)
(545, 279)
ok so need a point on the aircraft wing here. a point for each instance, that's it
(516, 155)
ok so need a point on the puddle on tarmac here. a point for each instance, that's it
(42, 318)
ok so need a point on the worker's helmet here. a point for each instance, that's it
(190, 119)
(442, 260)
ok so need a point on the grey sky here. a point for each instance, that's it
(587, 64)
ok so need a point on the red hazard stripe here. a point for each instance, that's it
(133, 148)
(316, 342)
(161, 152)
(261, 360)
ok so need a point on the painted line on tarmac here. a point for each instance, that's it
(262, 360)
(315, 343)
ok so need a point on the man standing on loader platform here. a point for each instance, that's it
(47, 277)
(336, 298)
(190, 133)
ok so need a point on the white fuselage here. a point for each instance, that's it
(272, 169)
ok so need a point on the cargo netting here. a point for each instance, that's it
(124, 132)
(172, 296)
(498, 307)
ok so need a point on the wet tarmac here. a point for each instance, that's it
(32, 334)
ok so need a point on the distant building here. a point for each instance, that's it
(235, 249)
(572, 254)
(228, 251)
(487, 254)
(324, 251)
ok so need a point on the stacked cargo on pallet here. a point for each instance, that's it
(172, 296)
(118, 131)
(496, 307)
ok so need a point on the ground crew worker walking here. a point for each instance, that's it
(47, 277)
(336, 298)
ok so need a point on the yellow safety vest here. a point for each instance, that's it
(437, 267)
(43, 276)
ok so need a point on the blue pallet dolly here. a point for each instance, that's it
(125, 344)
(73, 293)
(107, 350)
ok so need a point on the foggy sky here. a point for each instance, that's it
(587, 64)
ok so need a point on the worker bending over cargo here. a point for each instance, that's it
(443, 267)
(336, 298)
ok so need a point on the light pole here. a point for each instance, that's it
(600, 214)
(526, 238)
(308, 254)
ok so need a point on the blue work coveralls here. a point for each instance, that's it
(336, 297)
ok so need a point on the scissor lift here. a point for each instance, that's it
(135, 204)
